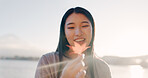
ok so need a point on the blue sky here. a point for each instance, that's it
(31, 27)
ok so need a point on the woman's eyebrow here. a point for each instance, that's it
(84, 22)
(70, 23)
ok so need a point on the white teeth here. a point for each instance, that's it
(79, 40)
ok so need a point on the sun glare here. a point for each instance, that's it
(136, 71)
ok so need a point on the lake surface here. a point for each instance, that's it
(26, 69)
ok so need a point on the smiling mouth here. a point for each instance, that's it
(80, 41)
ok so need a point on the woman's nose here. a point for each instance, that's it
(78, 32)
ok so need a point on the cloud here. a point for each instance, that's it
(11, 45)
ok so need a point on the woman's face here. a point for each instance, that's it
(78, 29)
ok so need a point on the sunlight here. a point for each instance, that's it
(136, 71)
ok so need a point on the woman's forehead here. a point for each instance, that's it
(76, 17)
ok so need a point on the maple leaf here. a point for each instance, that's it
(77, 48)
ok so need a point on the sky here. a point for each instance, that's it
(31, 27)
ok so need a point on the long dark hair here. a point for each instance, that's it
(62, 48)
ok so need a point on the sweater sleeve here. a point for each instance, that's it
(42, 71)
(47, 66)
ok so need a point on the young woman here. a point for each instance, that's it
(76, 41)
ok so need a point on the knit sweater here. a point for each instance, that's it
(48, 67)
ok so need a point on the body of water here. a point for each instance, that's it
(17, 68)
(26, 69)
(132, 71)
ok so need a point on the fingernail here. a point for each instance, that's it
(83, 56)
(85, 67)
(84, 71)
(83, 64)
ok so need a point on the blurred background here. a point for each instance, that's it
(30, 28)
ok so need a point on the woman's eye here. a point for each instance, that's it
(85, 26)
(70, 27)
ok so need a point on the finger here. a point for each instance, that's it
(83, 56)
(85, 48)
(72, 64)
(69, 46)
(79, 67)
(83, 64)
(76, 62)
(78, 59)
(81, 74)
(84, 68)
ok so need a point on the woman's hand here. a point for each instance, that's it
(75, 68)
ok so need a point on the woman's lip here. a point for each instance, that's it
(79, 39)
(81, 42)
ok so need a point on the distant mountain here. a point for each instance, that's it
(138, 60)
(20, 58)
(11, 45)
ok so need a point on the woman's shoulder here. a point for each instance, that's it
(50, 54)
(44, 70)
(50, 57)
(99, 60)
(102, 68)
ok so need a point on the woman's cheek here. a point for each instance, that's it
(70, 37)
